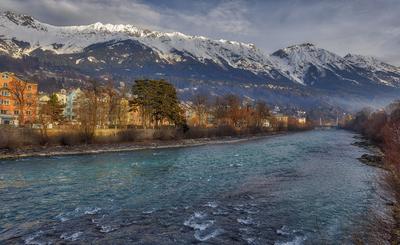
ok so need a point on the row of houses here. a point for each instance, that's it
(20, 102)
(69, 100)
(66, 98)
(274, 120)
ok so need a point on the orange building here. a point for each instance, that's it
(18, 100)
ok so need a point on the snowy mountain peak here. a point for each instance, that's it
(296, 60)
(369, 62)
(22, 20)
(171, 47)
(302, 45)
(111, 28)
(379, 71)
(108, 46)
(361, 59)
(306, 52)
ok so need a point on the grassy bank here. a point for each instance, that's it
(23, 142)
(95, 148)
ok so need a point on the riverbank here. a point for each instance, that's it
(48, 151)
(376, 158)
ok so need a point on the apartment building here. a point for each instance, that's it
(18, 100)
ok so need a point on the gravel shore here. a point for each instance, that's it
(47, 151)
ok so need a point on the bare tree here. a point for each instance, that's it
(201, 107)
(262, 112)
(25, 101)
(87, 109)
(233, 107)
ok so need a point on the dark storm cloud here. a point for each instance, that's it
(366, 27)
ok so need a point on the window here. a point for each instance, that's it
(5, 85)
(16, 112)
(6, 102)
(29, 87)
(5, 93)
(4, 112)
(5, 76)
(28, 112)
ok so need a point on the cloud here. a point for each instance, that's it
(76, 12)
(227, 17)
(363, 27)
(366, 27)
(223, 20)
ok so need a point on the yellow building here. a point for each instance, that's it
(302, 120)
(281, 120)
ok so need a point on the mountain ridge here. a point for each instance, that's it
(126, 52)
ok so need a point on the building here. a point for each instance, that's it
(70, 104)
(18, 100)
(43, 98)
(265, 123)
(281, 120)
(302, 120)
(62, 97)
(192, 117)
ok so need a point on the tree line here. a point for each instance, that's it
(155, 104)
(382, 127)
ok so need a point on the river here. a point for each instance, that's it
(302, 188)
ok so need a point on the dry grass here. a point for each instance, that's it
(14, 139)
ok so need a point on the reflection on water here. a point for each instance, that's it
(295, 189)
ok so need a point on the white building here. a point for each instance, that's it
(62, 96)
(71, 98)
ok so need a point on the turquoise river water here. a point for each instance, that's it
(302, 188)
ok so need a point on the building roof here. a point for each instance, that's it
(19, 77)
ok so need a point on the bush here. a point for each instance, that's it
(9, 140)
(225, 130)
(69, 139)
(195, 133)
(128, 135)
(167, 134)
(253, 130)
(14, 138)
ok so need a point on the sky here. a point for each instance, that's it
(367, 27)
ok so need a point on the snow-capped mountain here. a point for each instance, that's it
(297, 60)
(375, 69)
(310, 65)
(170, 47)
(57, 55)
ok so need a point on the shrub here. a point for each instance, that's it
(15, 138)
(195, 133)
(225, 130)
(70, 139)
(167, 134)
(9, 139)
(128, 135)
